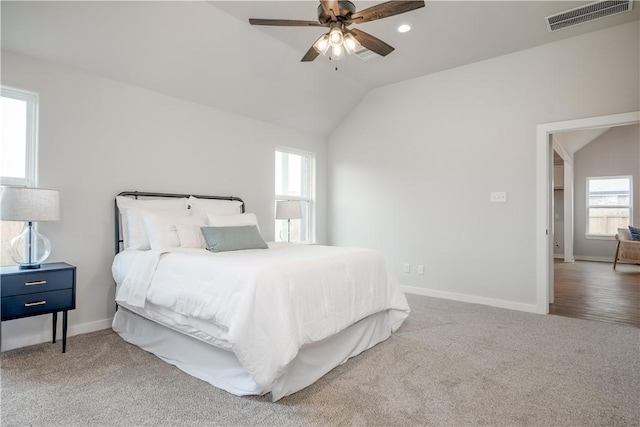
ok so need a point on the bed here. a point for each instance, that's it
(197, 286)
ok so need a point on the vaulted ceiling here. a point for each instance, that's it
(207, 52)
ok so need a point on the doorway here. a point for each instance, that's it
(544, 194)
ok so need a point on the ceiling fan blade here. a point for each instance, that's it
(374, 44)
(331, 8)
(310, 55)
(285, 23)
(384, 10)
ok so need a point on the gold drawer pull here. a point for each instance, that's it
(31, 304)
(36, 282)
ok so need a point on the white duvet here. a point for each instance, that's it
(267, 303)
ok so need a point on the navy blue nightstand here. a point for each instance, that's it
(48, 289)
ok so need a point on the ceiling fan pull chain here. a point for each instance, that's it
(331, 59)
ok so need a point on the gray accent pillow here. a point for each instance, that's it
(222, 239)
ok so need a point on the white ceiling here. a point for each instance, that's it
(208, 53)
(573, 141)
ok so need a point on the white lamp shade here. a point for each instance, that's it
(288, 209)
(29, 204)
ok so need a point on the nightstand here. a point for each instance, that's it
(48, 289)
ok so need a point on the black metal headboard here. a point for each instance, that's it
(137, 194)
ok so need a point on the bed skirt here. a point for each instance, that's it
(222, 369)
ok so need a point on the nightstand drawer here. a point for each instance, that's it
(40, 303)
(36, 281)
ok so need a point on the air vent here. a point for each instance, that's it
(586, 13)
(365, 54)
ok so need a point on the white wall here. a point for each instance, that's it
(99, 137)
(411, 169)
(616, 152)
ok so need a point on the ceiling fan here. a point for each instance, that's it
(337, 16)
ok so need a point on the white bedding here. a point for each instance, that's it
(264, 305)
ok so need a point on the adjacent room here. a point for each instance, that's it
(602, 163)
(320, 212)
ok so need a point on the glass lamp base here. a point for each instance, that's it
(288, 235)
(29, 249)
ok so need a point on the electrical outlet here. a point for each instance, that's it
(407, 267)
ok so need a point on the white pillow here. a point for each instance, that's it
(232, 220)
(220, 207)
(161, 228)
(191, 236)
(131, 211)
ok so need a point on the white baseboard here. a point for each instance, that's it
(45, 335)
(511, 305)
(593, 258)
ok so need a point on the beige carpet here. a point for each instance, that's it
(451, 364)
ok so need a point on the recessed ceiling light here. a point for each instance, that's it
(404, 28)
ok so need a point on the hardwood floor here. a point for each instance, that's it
(594, 291)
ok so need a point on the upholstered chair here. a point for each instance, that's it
(627, 249)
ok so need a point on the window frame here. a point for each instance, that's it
(588, 233)
(10, 229)
(31, 136)
(311, 189)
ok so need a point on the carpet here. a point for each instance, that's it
(450, 364)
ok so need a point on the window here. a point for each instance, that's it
(608, 204)
(295, 181)
(18, 115)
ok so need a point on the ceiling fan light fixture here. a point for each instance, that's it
(404, 28)
(337, 15)
(351, 44)
(322, 44)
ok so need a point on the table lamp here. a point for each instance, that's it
(30, 248)
(288, 209)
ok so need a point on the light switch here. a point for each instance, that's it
(498, 196)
